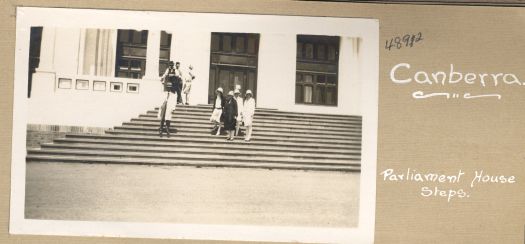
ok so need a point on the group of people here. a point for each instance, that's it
(172, 79)
(232, 109)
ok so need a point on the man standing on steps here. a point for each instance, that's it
(171, 89)
(178, 78)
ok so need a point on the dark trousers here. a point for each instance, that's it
(179, 84)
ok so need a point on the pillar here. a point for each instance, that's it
(152, 55)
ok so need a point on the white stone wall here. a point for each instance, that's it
(63, 55)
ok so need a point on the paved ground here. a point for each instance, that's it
(191, 195)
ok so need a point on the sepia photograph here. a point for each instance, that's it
(194, 125)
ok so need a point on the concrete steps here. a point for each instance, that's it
(215, 140)
(205, 129)
(155, 161)
(280, 140)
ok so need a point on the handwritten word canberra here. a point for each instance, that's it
(451, 76)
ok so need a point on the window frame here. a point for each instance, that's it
(316, 42)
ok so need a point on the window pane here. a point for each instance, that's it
(137, 37)
(251, 82)
(239, 44)
(123, 35)
(298, 94)
(144, 39)
(331, 79)
(331, 53)
(137, 52)
(320, 79)
(165, 39)
(226, 43)
(319, 94)
(307, 94)
(307, 78)
(252, 44)
(321, 53)
(309, 51)
(164, 54)
(331, 95)
(215, 39)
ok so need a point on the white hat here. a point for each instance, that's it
(249, 92)
(237, 91)
(230, 93)
(220, 89)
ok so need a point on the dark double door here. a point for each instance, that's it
(230, 78)
(233, 63)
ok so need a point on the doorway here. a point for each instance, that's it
(233, 62)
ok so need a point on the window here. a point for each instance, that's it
(235, 43)
(116, 87)
(99, 85)
(317, 70)
(82, 84)
(165, 49)
(64, 83)
(133, 88)
(131, 53)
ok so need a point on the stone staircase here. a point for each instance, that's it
(280, 140)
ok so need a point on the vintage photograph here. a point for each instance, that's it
(195, 118)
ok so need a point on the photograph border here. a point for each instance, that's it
(364, 233)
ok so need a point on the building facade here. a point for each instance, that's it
(100, 77)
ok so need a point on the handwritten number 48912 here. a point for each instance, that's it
(407, 40)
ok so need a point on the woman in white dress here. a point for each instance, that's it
(218, 105)
(247, 113)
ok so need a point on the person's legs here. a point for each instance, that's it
(218, 124)
(161, 127)
(237, 126)
(248, 133)
(168, 123)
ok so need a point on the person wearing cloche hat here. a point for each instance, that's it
(240, 102)
(247, 114)
(230, 115)
(218, 106)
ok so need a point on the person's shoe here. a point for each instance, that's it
(187, 103)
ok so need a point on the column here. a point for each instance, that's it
(349, 83)
(152, 55)
(47, 50)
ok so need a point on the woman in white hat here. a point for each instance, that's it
(230, 115)
(240, 102)
(247, 113)
(218, 105)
